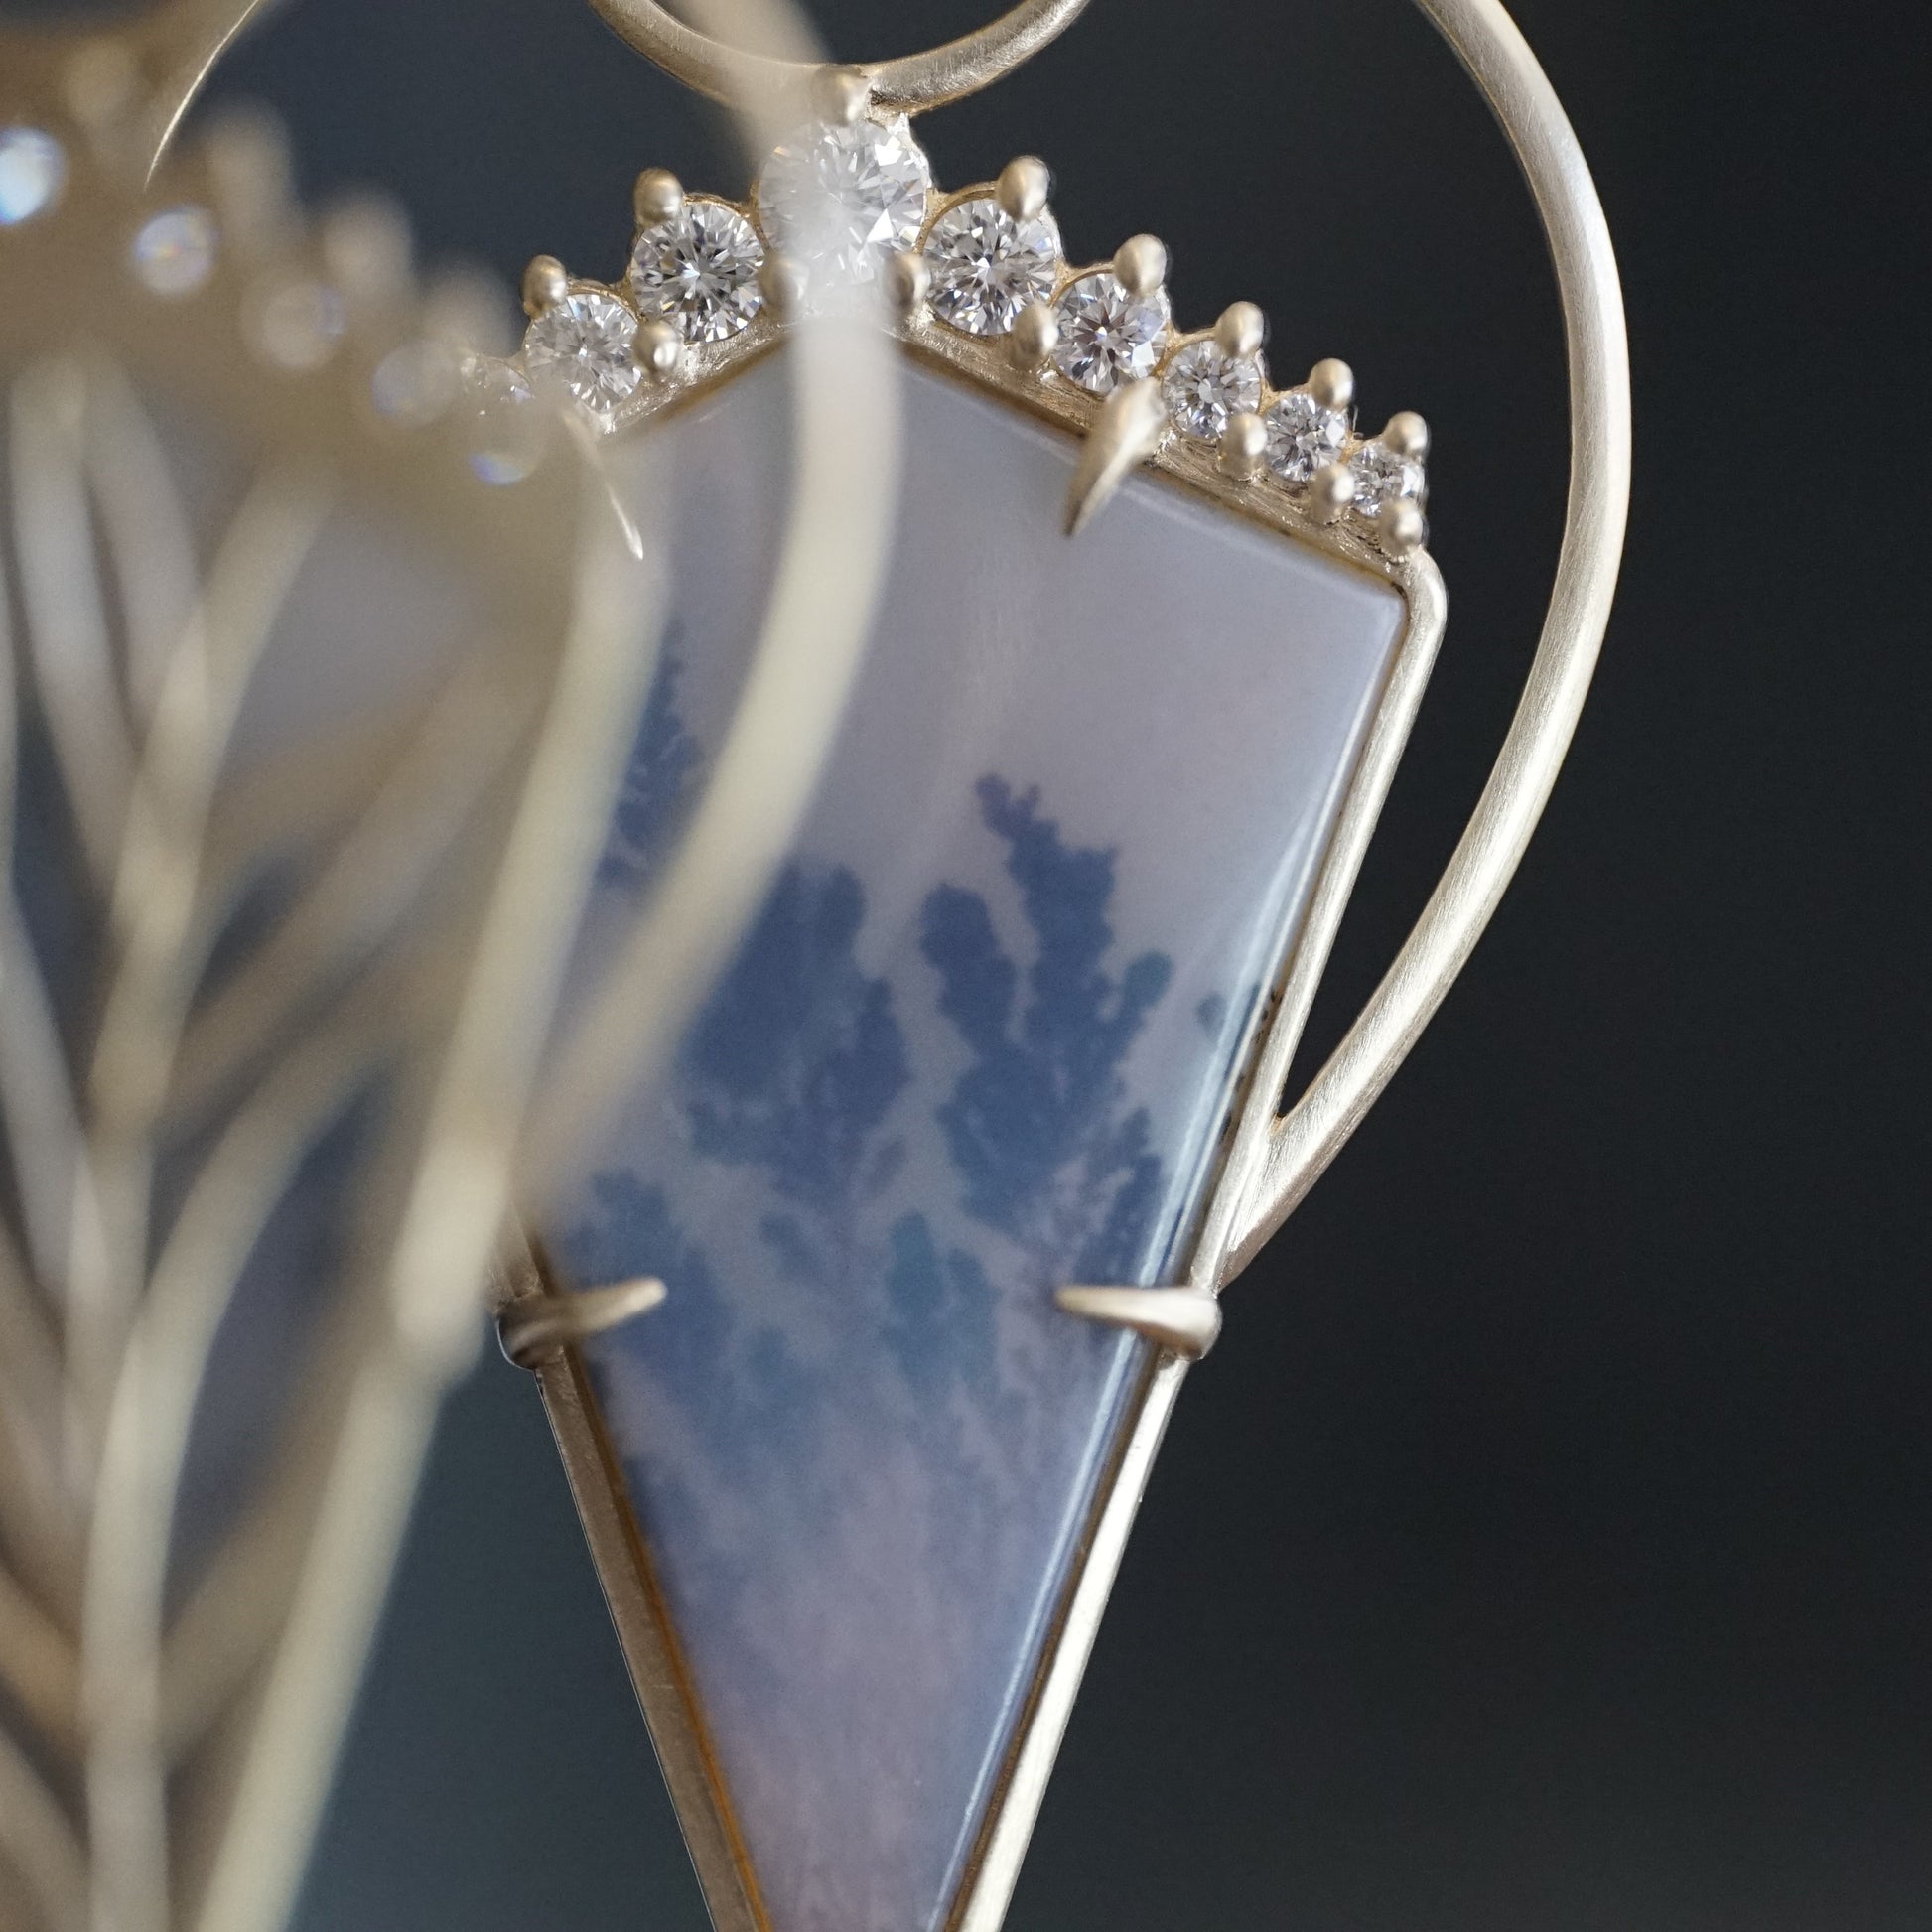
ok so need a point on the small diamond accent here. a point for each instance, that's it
(1107, 335)
(1304, 437)
(33, 171)
(846, 198)
(1382, 476)
(504, 430)
(582, 347)
(987, 267)
(699, 272)
(1204, 389)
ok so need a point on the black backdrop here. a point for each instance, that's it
(1547, 1546)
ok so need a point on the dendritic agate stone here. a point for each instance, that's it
(979, 1046)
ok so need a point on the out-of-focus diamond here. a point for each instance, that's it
(844, 199)
(174, 253)
(1304, 437)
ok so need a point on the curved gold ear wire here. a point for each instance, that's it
(1274, 1160)
(1299, 1146)
(132, 83)
(908, 86)
(183, 39)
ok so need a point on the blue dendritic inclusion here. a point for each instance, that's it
(863, 1186)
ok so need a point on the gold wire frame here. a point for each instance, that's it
(1270, 1157)
(620, 1543)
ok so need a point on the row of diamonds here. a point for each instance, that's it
(846, 202)
(296, 322)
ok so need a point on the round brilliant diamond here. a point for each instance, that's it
(582, 347)
(1203, 387)
(699, 272)
(1107, 335)
(987, 267)
(1304, 437)
(33, 171)
(1382, 476)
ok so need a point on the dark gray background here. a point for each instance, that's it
(1547, 1548)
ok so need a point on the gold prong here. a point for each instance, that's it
(539, 1327)
(1331, 491)
(246, 151)
(1126, 431)
(1024, 185)
(367, 245)
(1036, 335)
(1241, 332)
(908, 281)
(657, 198)
(841, 94)
(99, 79)
(1332, 384)
(1181, 1319)
(1141, 262)
(783, 283)
(545, 284)
(1243, 444)
(1401, 529)
(1407, 435)
(658, 350)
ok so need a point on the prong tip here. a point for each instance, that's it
(545, 284)
(657, 198)
(1128, 430)
(101, 75)
(1401, 529)
(1242, 331)
(1331, 491)
(1332, 384)
(1407, 435)
(908, 281)
(1036, 335)
(1141, 263)
(1024, 185)
(1243, 444)
(841, 94)
(658, 348)
(783, 283)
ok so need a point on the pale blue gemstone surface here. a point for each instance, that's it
(979, 1045)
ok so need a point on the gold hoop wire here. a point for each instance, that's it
(1307, 1138)
(908, 86)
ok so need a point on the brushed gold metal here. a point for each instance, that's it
(1141, 263)
(1129, 429)
(672, 1713)
(910, 85)
(1267, 1161)
(1181, 1319)
(537, 1329)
